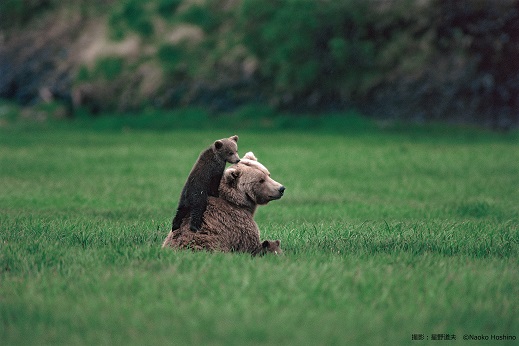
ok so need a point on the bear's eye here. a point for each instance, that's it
(229, 153)
(262, 181)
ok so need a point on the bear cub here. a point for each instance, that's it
(269, 246)
(204, 180)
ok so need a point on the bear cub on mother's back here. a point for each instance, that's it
(203, 181)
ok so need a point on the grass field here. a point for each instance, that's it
(386, 234)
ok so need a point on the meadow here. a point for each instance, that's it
(388, 235)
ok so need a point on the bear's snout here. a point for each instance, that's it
(279, 193)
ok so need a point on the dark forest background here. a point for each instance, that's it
(420, 61)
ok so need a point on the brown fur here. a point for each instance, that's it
(228, 223)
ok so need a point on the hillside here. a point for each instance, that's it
(430, 60)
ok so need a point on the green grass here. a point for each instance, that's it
(386, 234)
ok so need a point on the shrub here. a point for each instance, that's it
(311, 48)
(132, 15)
(202, 16)
(167, 8)
(170, 57)
(107, 68)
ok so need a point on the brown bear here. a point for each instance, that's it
(204, 180)
(228, 223)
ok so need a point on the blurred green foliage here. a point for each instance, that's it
(304, 50)
(426, 60)
(167, 8)
(130, 15)
(203, 16)
(107, 68)
(170, 57)
(307, 46)
(17, 12)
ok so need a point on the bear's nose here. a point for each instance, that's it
(282, 189)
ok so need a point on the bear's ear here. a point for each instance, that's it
(265, 244)
(250, 156)
(218, 144)
(277, 242)
(231, 176)
(234, 138)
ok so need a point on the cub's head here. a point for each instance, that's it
(270, 246)
(227, 149)
(248, 183)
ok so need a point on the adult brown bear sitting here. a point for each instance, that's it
(228, 223)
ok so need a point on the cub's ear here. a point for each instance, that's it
(231, 176)
(234, 138)
(277, 242)
(265, 244)
(250, 156)
(218, 144)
